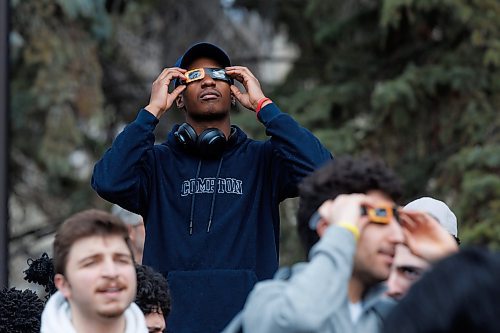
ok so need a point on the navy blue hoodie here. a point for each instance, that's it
(212, 225)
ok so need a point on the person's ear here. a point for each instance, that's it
(321, 227)
(179, 101)
(62, 285)
(233, 100)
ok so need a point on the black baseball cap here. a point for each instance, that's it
(203, 49)
(199, 50)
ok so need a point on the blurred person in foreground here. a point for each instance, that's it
(136, 230)
(95, 277)
(460, 294)
(352, 239)
(153, 298)
(408, 267)
(209, 194)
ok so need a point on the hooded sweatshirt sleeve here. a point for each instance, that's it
(297, 151)
(310, 298)
(123, 174)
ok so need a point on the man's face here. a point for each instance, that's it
(206, 99)
(377, 246)
(100, 279)
(406, 270)
(155, 322)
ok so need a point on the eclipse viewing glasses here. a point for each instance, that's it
(382, 214)
(199, 73)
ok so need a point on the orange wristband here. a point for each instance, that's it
(260, 102)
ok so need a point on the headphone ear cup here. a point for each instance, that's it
(186, 136)
(211, 142)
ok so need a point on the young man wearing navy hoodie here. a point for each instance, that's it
(210, 195)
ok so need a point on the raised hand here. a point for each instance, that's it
(253, 92)
(161, 100)
(425, 237)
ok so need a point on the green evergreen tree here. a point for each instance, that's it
(414, 81)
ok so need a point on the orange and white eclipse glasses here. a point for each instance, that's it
(199, 73)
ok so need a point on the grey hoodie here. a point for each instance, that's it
(315, 297)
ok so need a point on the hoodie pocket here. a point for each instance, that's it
(205, 301)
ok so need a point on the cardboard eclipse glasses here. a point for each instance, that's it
(199, 73)
(382, 214)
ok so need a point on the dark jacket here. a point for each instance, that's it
(234, 239)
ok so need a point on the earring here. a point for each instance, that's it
(179, 102)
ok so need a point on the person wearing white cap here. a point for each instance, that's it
(408, 267)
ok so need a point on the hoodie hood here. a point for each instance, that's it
(56, 317)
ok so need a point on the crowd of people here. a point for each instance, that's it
(192, 243)
(352, 229)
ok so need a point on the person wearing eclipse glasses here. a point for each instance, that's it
(210, 195)
(350, 226)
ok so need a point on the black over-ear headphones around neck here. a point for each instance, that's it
(210, 143)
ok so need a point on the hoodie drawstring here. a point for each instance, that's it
(216, 187)
(192, 200)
